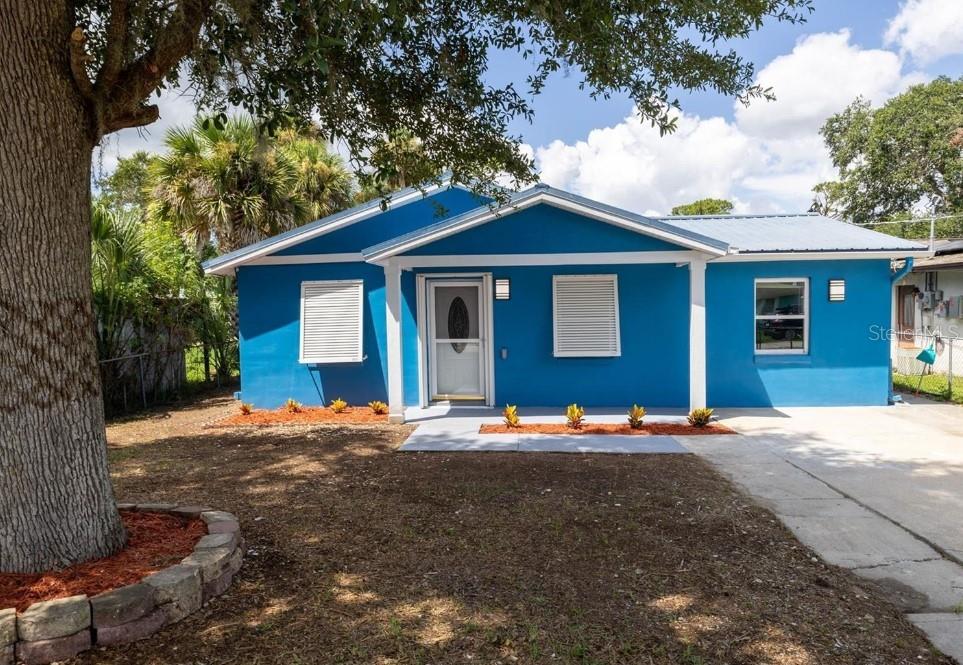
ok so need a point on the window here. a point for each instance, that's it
(331, 321)
(586, 315)
(782, 316)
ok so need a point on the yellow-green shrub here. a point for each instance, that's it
(700, 417)
(293, 405)
(510, 415)
(574, 416)
(636, 414)
(339, 405)
(378, 407)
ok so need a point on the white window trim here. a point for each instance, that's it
(326, 361)
(804, 316)
(618, 330)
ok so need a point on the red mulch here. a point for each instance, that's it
(154, 541)
(675, 429)
(353, 415)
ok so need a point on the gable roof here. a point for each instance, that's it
(226, 263)
(806, 232)
(691, 239)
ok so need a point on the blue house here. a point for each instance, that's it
(553, 298)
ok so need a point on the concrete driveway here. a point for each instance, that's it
(876, 490)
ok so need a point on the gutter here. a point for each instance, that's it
(902, 272)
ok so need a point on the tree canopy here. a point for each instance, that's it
(366, 71)
(902, 158)
(704, 207)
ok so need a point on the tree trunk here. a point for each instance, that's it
(56, 503)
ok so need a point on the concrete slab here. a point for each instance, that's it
(842, 509)
(773, 481)
(858, 543)
(936, 586)
(944, 630)
(612, 444)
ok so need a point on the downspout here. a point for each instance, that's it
(895, 277)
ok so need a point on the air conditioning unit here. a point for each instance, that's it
(931, 299)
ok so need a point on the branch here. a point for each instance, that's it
(115, 45)
(78, 63)
(123, 105)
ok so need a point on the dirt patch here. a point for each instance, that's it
(353, 415)
(361, 555)
(674, 429)
(154, 541)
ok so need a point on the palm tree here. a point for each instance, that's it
(229, 184)
(322, 180)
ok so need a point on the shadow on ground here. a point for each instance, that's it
(362, 555)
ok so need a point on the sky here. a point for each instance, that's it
(765, 157)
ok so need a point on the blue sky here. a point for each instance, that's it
(765, 158)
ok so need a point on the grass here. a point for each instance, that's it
(933, 385)
(362, 555)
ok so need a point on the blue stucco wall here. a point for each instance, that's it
(845, 364)
(544, 229)
(269, 325)
(394, 222)
(654, 317)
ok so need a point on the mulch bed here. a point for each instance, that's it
(353, 415)
(675, 429)
(154, 541)
(358, 555)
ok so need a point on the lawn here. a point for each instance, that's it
(359, 554)
(933, 385)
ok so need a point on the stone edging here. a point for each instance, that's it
(58, 629)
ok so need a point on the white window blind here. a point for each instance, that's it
(586, 315)
(331, 321)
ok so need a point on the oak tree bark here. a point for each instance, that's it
(56, 502)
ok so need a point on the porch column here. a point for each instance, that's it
(697, 333)
(396, 398)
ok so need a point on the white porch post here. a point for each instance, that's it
(697, 333)
(396, 400)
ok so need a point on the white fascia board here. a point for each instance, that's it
(228, 267)
(822, 256)
(550, 199)
(571, 259)
(300, 259)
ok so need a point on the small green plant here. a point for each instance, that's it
(293, 406)
(246, 409)
(378, 407)
(636, 415)
(574, 416)
(339, 405)
(510, 415)
(700, 417)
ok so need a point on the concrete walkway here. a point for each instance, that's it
(444, 429)
(875, 490)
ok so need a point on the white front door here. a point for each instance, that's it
(457, 349)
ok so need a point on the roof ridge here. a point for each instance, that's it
(742, 216)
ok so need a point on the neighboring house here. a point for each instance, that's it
(929, 301)
(554, 298)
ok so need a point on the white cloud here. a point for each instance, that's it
(821, 75)
(765, 160)
(927, 30)
(631, 166)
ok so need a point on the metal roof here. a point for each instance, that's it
(806, 232)
(628, 219)
(320, 226)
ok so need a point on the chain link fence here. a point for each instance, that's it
(942, 379)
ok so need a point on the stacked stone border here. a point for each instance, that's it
(55, 630)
